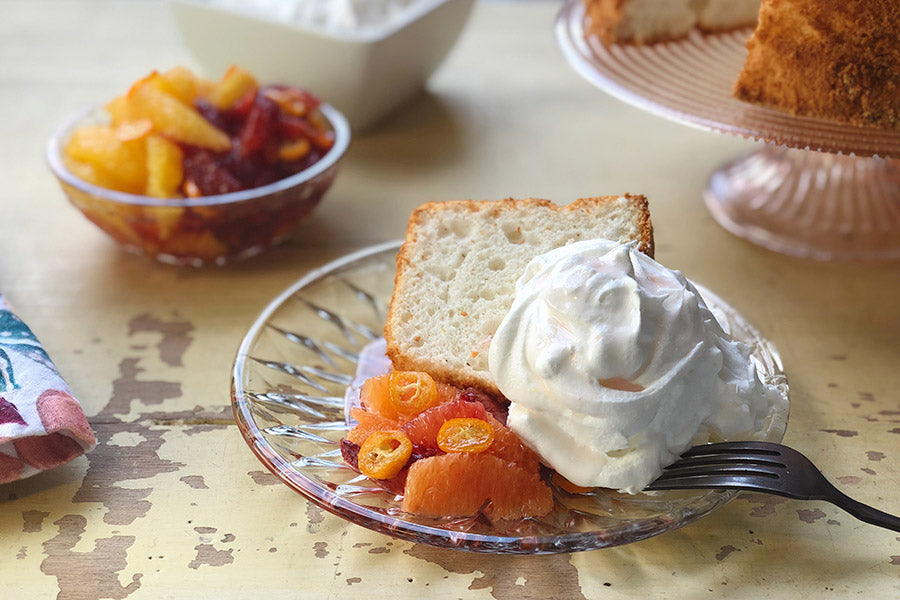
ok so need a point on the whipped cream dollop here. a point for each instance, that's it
(614, 366)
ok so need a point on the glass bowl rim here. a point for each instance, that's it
(54, 158)
(417, 532)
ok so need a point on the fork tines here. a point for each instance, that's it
(723, 465)
(761, 448)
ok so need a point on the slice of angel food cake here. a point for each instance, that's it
(531, 341)
(651, 21)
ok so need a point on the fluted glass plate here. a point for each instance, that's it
(289, 381)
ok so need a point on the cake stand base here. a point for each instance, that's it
(811, 204)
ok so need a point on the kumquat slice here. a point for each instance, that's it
(384, 454)
(465, 435)
(412, 392)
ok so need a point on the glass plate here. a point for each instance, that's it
(297, 361)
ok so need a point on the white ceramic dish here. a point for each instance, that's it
(366, 75)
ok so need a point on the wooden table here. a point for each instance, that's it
(172, 504)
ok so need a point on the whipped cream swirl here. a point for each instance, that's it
(614, 366)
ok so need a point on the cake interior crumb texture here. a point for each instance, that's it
(458, 266)
(826, 59)
(650, 21)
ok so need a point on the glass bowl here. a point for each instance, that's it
(206, 230)
(290, 387)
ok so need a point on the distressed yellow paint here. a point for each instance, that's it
(148, 348)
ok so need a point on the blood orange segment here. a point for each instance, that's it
(471, 394)
(461, 484)
(369, 423)
(423, 430)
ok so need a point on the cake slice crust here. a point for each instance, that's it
(826, 59)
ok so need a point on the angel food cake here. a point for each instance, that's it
(826, 59)
(529, 338)
(649, 21)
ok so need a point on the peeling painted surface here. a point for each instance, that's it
(767, 503)
(33, 520)
(264, 478)
(208, 555)
(499, 574)
(724, 551)
(810, 515)
(145, 475)
(176, 336)
(194, 481)
(314, 517)
(205, 530)
(321, 549)
(87, 574)
(127, 452)
(108, 469)
(842, 432)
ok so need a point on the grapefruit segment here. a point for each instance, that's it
(462, 484)
(423, 430)
(509, 446)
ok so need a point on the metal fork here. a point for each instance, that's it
(763, 467)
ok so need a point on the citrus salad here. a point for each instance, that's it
(446, 450)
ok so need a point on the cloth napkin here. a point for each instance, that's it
(41, 424)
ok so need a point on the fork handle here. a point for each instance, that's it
(861, 511)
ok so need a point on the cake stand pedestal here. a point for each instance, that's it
(817, 189)
(810, 204)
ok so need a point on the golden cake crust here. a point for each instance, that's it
(603, 17)
(829, 59)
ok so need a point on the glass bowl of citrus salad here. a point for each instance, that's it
(193, 171)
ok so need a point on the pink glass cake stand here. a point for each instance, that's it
(817, 189)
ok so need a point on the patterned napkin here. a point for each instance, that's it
(41, 425)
